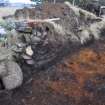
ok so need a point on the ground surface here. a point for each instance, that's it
(77, 78)
(5, 11)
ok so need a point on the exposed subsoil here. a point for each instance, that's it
(74, 75)
(76, 78)
(44, 11)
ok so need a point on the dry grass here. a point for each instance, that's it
(5, 11)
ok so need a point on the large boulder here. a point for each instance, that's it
(14, 76)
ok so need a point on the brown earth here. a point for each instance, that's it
(43, 12)
(77, 78)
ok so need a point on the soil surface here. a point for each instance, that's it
(74, 76)
(78, 78)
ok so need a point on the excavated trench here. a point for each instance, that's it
(62, 74)
(72, 78)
